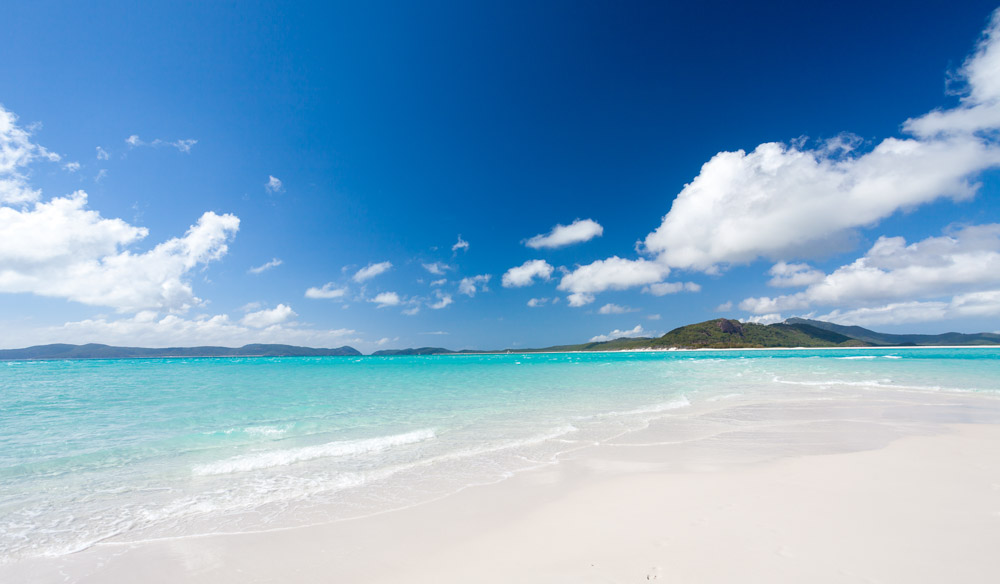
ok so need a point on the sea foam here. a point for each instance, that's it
(289, 456)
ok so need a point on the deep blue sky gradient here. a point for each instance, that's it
(397, 126)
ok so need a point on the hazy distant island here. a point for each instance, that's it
(97, 351)
(718, 333)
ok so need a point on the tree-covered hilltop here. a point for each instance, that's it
(726, 334)
(723, 334)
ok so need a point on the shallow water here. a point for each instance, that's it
(129, 450)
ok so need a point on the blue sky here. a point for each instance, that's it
(836, 160)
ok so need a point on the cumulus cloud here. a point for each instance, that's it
(17, 152)
(273, 185)
(764, 318)
(268, 317)
(326, 292)
(370, 271)
(460, 245)
(443, 300)
(72, 166)
(536, 302)
(470, 285)
(578, 299)
(440, 282)
(617, 334)
(664, 288)
(102, 154)
(783, 201)
(785, 275)
(613, 273)
(525, 274)
(61, 249)
(615, 309)
(274, 263)
(387, 299)
(578, 231)
(971, 305)
(436, 268)
(892, 277)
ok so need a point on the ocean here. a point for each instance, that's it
(122, 451)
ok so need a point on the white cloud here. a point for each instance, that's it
(102, 154)
(411, 311)
(440, 282)
(183, 145)
(371, 270)
(613, 273)
(268, 317)
(578, 231)
(664, 288)
(468, 286)
(72, 166)
(460, 245)
(979, 108)
(436, 268)
(615, 309)
(100, 175)
(981, 304)
(653, 317)
(617, 334)
(536, 302)
(764, 318)
(273, 185)
(274, 263)
(787, 275)
(387, 299)
(725, 306)
(134, 141)
(783, 202)
(578, 299)
(60, 249)
(525, 274)
(895, 274)
(328, 291)
(17, 151)
(443, 300)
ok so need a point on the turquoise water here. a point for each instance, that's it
(129, 450)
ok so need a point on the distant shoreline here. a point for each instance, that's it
(712, 335)
(522, 352)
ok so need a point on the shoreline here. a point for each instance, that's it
(642, 505)
(525, 352)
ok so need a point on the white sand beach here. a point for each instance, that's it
(895, 487)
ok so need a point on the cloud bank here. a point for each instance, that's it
(783, 201)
